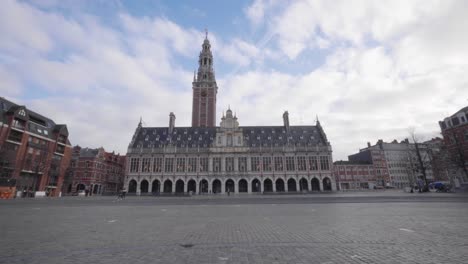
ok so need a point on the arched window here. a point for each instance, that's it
(204, 61)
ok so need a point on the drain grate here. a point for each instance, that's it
(186, 245)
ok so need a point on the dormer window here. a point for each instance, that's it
(185, 132)
(146, 138)
(22, 112)
(273, 132)
(251, 131)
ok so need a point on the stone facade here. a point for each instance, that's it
(229, 158)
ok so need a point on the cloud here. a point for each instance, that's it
(386, 67)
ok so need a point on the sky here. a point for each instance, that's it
(368, 70)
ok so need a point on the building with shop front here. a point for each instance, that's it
(34, 151)
(395, 163)
(354, 175)
(455, 132)
(205, 158)
(95, 171)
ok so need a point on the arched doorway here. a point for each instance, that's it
(327, 184)
(179, 186)
(230, 186)
(279, 185)
(192, 186)
(168, 186)
(243, 185)
(132, 185)
(267, 185)
(216, 186)
(203, 188)
(256, 186)
(303, 185)
(144, 186)
(80, 187)
(156, 186)
(292, 187)
(315, 184)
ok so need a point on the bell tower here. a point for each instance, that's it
(204, 89)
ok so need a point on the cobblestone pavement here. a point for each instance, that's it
(104, 230)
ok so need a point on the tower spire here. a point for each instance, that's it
(204, 88)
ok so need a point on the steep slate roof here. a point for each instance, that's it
(48, 125)
(254, 136)
(88, 153)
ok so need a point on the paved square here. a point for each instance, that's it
(231, 230)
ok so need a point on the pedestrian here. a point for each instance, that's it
(124, 192)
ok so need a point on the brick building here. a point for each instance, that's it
(455, 133)
(354, 175)
(205, 158)
(396, 164)
(34, 151)
(95, 170)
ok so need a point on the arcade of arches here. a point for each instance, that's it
(224, 185)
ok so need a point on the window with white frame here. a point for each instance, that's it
(255, 163)
(301, 163)
(313, 163)
(278, 163)
(192, 164)
(180, 164)
(290, 164)
(267, 164)
(229, 164)
(157, 164)
(169, 164)
(242, 164)
(145, 165)
(216, 164)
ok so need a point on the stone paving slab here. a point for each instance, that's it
(234, 233)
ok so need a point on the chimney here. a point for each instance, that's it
(368, 144)
(286, 120)
(380, 143)
(171, 122)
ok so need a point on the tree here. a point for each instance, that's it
(421, 166)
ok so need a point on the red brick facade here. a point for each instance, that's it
(95, 171)
(34, 151)
(354, 176)
(455, 133)
(204, 107)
